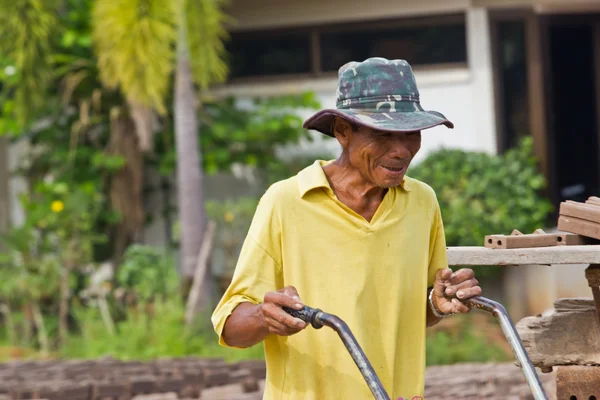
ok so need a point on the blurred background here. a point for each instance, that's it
(136, 137)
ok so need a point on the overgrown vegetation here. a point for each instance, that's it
(482, 194)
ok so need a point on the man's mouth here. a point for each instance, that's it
(393, 169)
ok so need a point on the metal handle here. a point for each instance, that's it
(306, 314)
(511, 334)
(318, 318)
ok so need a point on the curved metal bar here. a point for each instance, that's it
(359, 357)
(318, 319)
(511, 334)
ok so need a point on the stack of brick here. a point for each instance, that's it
(110, 379)
(213, 379)
(581, 218)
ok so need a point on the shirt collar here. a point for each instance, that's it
(313, 177)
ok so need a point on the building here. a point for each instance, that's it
(499, 69)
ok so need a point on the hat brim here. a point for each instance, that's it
(397, 121)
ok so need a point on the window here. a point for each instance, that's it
(420, 45)
(269, 53)
(323, 49)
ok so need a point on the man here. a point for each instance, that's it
(356, 238)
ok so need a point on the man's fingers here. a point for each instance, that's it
(275, 313)
(464, 294)
(282, 329)
(460, 307)
(283, 300)
(452, 290)
(463, 274)
(292, 292)
(440, 281)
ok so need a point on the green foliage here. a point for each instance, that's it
(465, 344)
(482, 194)
(244, 134)
(134, 42)
(146, 336)
(148, 273)
(206, 35)
(27, 29)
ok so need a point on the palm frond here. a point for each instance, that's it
(206, 36)
(134, 42)
(27, 28)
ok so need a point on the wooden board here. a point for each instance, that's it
(583, 211)
(579, 226)
(475, 255)
(532, 240)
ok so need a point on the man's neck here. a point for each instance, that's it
(352, 189)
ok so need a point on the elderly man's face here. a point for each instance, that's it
(382, 158)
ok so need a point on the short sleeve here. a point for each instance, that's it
(438, 258)
(258, 269)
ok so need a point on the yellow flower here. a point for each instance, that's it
(228, 216)
(57, 206)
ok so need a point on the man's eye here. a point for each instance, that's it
(385, 134)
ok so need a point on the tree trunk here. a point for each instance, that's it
(126, 185)
(189, 165)
(40, 327)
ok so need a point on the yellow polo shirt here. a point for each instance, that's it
(374, 275)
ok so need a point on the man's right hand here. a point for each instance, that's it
(275, 319)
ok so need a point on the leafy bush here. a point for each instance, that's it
(466, 342)
(482, 194)
(148, 335)
(147, 273)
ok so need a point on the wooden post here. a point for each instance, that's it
(536, 89)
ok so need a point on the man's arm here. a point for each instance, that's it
(250, 323)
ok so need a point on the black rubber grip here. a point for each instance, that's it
(306, 314)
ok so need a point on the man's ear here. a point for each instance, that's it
(341, 130)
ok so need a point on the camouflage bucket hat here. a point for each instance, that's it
(380, 94)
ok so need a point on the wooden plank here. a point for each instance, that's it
(475, 255)
(579, 226)
(583, 211)
(532, 240)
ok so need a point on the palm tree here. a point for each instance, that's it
(139, 44)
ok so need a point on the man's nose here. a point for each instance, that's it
(399, 149)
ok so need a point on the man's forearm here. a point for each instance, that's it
(431, 318)
(245, 327)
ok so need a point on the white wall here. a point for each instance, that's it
(464, 95)
(252, 14)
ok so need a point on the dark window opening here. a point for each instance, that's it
(421, 45)
(324, 49)
(513, 82)
(269, 53)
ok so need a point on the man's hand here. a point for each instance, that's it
(275, 318)
(451, 289)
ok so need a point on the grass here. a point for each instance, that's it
(140, 336)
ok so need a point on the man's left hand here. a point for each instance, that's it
(451, 289)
